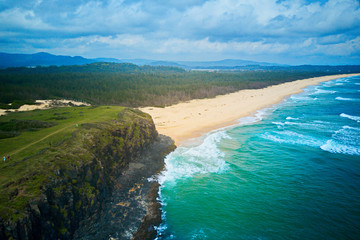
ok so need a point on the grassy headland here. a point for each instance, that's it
(36, 132)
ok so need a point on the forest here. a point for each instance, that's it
(131, 85)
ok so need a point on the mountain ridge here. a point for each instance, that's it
(47, 59)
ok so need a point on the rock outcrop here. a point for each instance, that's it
(101, 186)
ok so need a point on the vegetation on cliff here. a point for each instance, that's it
(64, 169)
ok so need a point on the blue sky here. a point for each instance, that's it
(282, 31)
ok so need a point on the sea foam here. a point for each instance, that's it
(302, 98)
(258, 116)
(355, 118)
(336, 147)
(346, 99)
(188, 161)
(322, 91)
(345, 141)
(314, 125)
(291, 118)
(294, 138)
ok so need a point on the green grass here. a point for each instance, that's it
(31, 142)
(23, 176)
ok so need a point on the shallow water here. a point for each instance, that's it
(288, 172)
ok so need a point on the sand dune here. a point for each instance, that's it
(44, 104)
(196, 117)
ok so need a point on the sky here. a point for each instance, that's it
(279, 31)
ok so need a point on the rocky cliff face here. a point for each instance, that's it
(101, 189)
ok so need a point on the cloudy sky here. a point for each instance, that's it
(282, 31)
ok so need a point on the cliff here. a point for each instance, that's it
(97, 184)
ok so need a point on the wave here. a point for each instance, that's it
(293, 138)
(291, 118)
(336, 82)
(315, 125)
(336, 147)
(322, 91)
(342, 80)
(345, 141)
(188, 161)
(355, 118)
(259, 115)
(185, 162)
(295, 97)
(346, 99)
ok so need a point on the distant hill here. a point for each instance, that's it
(47, 59)
(114, 60)
(225, 63)
(40, 59)
(97, 67)
(222, 64)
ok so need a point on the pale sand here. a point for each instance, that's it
(44, 104)
(196, 117)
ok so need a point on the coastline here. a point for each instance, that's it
(187, 120)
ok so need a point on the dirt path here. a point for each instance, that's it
(49, 135)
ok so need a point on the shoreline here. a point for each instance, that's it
(192, 119)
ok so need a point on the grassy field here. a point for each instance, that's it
(37, 132)
(32, 141)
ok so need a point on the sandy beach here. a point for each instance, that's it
(191, 119)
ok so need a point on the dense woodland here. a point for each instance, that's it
(132, 85)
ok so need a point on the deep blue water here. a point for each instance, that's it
(288, 172)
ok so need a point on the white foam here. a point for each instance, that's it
(152, 179)
(355, 118)
(299, 97)
(188, 161)
(328, 84)
(279, 123)
(248, 120)
(342, 80)
(336, 147)
(258, 116)
(294, 138)
(346, 99)
(322, 91)
(346, 141)
(314, 125)
(291, 118)
(335, 82)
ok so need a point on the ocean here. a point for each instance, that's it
(290, 171)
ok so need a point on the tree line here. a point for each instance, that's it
(132, 85)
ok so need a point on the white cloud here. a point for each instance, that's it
(350, 47)
(21, 19)
(204, 45)
(176, 28)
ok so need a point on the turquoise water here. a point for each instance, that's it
(288, 172)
